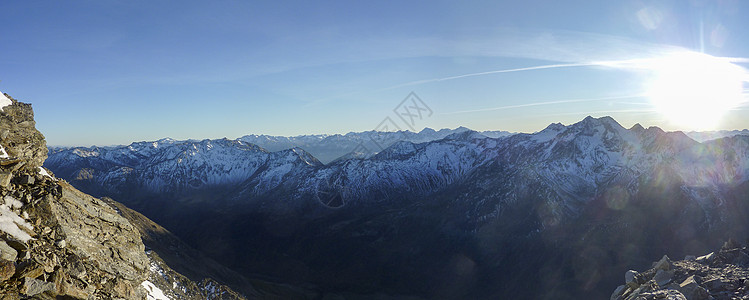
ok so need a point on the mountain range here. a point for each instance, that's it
(556, 214)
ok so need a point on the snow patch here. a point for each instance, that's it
(4, 101)
(11, 223)
(3, 154)
(43, 172)
(156, 269)
(11, 203)
(548, 133)
(154, 293)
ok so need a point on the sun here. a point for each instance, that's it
(695, 90)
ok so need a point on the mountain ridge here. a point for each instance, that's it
(540, 190)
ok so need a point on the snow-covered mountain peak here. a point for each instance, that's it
(304, 156)
(465, 135)
(655, 140)
(637, 128)
(166, 140)
(548, 133)
(427, 130)
(81, 152)
(591, 125)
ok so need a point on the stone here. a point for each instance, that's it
(18, 245)
(7, 269)
(5, 178)
(730, 244)
(691, 290)
(635, 293)
(663, 264)
(23, 141)
(77, 270)
(7, 252)
(629, 276)
(618, 292)
(663, 294)
(33, 286)
(30, 269)
(49, 266)
(94, 230)
(730, 256)
(25, 179)
(707, 258)
(662, 277)
(716, 284)
(76, 292)
(61, 243)
(632, 284)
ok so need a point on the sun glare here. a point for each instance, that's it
(694, 90)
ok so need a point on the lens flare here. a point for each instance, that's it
(695, 90)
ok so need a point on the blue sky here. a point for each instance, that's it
(113, 72)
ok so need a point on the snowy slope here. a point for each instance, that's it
(163, 166)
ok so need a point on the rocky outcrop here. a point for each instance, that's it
(19, 137)
(59, 243)
(176, 286)
(56, 241)
(717, 275)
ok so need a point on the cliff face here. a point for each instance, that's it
(19, 136)
(55, 240)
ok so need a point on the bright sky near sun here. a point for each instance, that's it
(113, 72)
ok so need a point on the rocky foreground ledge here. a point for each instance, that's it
(59, 243)
(718, 275)
(54, 240)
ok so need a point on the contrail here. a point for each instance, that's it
(641, 63)
(418, 82)
(554, 66)
(544, 103)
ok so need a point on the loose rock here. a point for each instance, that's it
(33, 286)
(7, 269)
(7, 252)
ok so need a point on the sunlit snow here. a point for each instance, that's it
(10, 222)
(43, 172)
(3, 154)
(154, 293)
(4, 101)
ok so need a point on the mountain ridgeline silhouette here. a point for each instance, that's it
(557, 214)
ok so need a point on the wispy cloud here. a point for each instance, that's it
(545, 103)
